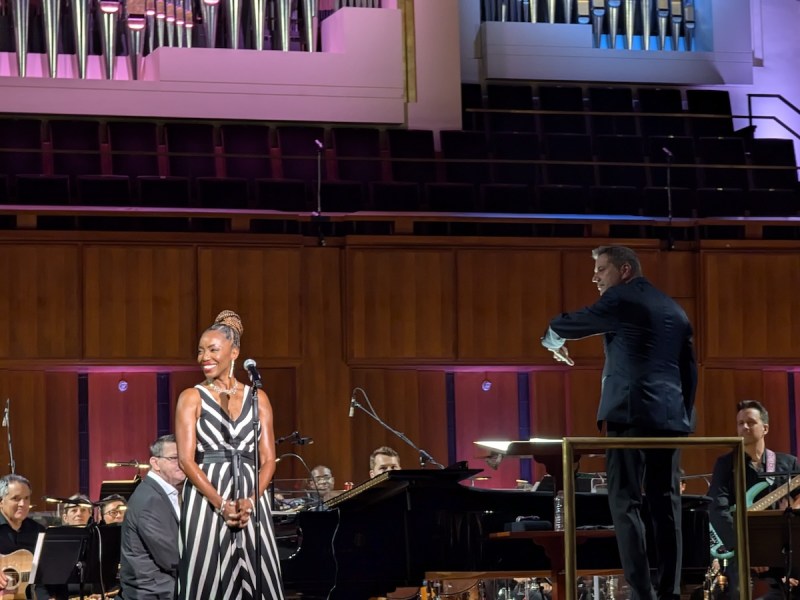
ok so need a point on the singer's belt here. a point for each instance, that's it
(218, 456)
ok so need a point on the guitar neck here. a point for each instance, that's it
(775, 495)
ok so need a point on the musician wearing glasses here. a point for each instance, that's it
(149, 559)
(112, 509)
(322, 483)
(752, 424)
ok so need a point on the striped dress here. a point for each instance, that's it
(218, 562)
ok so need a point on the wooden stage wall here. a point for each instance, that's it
(418, 323)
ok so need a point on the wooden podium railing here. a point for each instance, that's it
(570, 447)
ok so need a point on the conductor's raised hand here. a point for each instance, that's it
(562, 355)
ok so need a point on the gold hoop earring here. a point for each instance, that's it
(230, 374)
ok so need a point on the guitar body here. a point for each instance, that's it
(718, 549)
(17, 569)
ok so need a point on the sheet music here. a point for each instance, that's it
(37, 552)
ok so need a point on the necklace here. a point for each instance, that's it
(231, 391)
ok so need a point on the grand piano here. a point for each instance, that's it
(387, 532)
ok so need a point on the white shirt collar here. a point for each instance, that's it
(170, 489)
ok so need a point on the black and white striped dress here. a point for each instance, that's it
(217, 562)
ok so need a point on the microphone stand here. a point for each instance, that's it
(317, 215)
(670, 239)
(254, 387)
(7, 424)
(424, 457)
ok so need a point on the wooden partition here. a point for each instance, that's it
(416, 322)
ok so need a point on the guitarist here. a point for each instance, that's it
(752, 424)
(17, 530)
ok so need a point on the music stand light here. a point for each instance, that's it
(123, 487)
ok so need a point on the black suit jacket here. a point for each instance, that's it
(149, 561)
(650, 376)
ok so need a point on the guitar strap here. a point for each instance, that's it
(770, 466)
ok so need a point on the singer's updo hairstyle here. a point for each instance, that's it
(230, 324)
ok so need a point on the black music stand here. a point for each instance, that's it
(123, 487)
(775, 538)
(84, 556)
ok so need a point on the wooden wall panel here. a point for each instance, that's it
(775, 396)
(433, 426)
(122, 425)
(674, 272)
(59, 443)
(394, 395)
(28, 424)
(139, 302)
(263, 286)
(400, 304)
(41, 306)
(323, 377)
(505, 300)
(794, 387)
(492, 415)
(548, 408)
(722, 390)
(750, 308)
(181, 380)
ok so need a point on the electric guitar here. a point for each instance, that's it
(17, 569)
(718, 549)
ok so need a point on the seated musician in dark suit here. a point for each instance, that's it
(17, 530)
(383, 459)
(752, 424)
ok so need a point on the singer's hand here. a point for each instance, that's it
(562, 355)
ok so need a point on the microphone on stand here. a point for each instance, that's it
(670, 239)
(318, 213)
(255, 378)
(286, 438)
(295, 438)
(5, 412)
(352, 405)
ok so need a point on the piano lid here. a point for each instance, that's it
(393, 482)
(523, 448)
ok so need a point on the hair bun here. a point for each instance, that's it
(230, 319)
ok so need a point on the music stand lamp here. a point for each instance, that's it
(123, 487)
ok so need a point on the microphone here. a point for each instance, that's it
(319, 144)
(667, 151)
(295, 438)
(287, 438)
(5, 412)
(127, 463)
(255, 378)
(352, 405)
